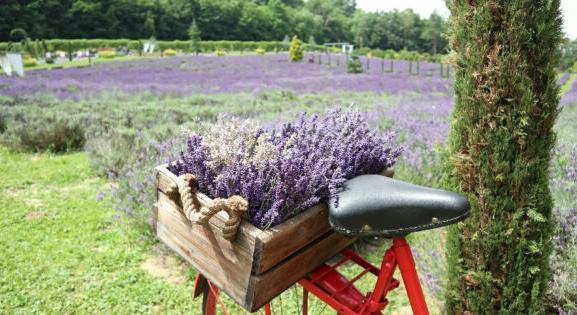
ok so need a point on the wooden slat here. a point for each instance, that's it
(273, 282)
(222, 262)
(277, 243)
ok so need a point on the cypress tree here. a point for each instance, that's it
(194, 35)
(504, 54)
(296, 50)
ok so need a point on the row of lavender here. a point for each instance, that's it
(186, 76)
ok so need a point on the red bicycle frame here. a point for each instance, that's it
(340, 293)
(334, 289)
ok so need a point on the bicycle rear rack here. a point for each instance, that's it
(329, 285)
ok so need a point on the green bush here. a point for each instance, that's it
(296, 50)
(574, 68)
(259, 51)
(41, 133)
(110, 153)
(169, 52)
(354, 65)
(219, 52)
(29, 62)
(107, 54)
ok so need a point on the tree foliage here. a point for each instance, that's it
(506, 98)
(296, 49)
(249, 20)
(194, 35)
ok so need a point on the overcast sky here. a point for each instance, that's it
(426, 7)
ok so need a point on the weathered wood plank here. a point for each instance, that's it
(273, 282)
(223, 262)
(279, 242)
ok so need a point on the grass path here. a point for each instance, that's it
(62, 249)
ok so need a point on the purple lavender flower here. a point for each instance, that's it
(314, 157)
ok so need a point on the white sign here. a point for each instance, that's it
(149, 47)
(16, 62)
(6, 66)
(348, 49)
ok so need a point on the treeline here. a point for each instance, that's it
(37, 47)
(314, 21)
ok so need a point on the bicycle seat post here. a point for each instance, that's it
(406, 264)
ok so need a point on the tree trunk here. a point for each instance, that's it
(501, 136)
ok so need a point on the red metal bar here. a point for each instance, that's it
(214, 294)
(410, 277)
(267, 309)
(323, 296)
(377, 300)
(360, 261)
(305, 301)
(315, 277)
(210, 305)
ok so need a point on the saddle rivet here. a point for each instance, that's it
(435, 220)
(366, 228)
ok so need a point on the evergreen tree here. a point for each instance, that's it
(286, 42)
(149, 25)
(194, 35)
(506, 98)
(296, 50)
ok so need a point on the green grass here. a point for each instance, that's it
(64, 251)
(84, 62)
(567, 85)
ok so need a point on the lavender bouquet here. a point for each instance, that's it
(281, 172)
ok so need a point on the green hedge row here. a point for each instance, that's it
(205, 46)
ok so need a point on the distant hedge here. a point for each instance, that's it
(205, 46)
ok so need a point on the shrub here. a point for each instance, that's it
(259, 51)
(29, 62)
(296, 50)
(133, 193)
(107, 54)
(40, 133)
(563, 288)
(49, 61)
(282, 172)
(111, 152)
(574, 68)
(169, 52)
(499, 257)
(219, 52)
(354, 65)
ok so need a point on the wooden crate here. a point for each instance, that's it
(258, 265)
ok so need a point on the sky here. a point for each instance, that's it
(425, 7)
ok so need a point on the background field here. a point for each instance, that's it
(74, 213)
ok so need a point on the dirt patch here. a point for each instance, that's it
(36, 215)
(165, 267)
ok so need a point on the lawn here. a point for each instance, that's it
(67, 251)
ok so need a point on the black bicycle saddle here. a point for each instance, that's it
(375, 204)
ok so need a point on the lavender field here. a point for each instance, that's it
(187, 76)
(125, 116)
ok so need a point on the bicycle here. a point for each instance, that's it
(371, 205)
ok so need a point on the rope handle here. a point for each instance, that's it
(198, 209)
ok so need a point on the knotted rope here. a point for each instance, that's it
(200, 211)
